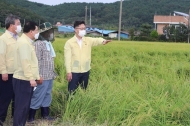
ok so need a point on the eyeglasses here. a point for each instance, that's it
(81, 28)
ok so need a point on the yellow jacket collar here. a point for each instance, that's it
(8, 34)
(26, 37)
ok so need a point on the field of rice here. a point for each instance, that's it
(131, 84)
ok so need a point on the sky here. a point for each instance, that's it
(56, 2)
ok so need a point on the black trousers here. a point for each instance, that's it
(6, 96)
(78, 79)
(23, 94)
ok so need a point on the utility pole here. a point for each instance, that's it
(120, 15)
(63, 22)
(189, 26)
(24, 21)
(90, 15)
(85, 14)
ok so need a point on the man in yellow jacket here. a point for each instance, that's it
(77, 54)
(26, 72)
(7, 45)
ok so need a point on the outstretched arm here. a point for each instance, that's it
(106, 41)
(98, 41)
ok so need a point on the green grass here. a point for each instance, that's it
(131, 84)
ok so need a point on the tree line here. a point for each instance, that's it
(23, 13)
(134, 12)
(137, 15)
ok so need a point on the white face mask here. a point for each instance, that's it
(36, 36)
(82, 33)
(18, 29)
(51, 36)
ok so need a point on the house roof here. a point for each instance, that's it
(181, 13)
(65, 28)
(170, 19)
(89, 32)
(123, 32)
(69, 28)
(104, 31)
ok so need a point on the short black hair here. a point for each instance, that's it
(77, 23)
(30, 25)
(10, 20)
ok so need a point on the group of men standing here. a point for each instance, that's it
(27, 67)
(26, 70)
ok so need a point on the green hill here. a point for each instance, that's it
(135, 12)
(23, 13)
